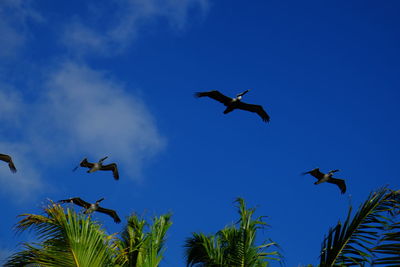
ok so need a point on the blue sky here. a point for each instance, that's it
(116, 78)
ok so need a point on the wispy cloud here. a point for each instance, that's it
(15, 14)
(119, 23)
(10, 103)
(27, 181)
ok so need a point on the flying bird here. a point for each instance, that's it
(235, 103)
(8, 159)
(322, 177)
(99, 166)
(90, 208)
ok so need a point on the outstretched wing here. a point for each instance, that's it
(340, 183)
(77, 201)
(216, 95)
(316, 173)
(8, 159)
(111, 213)
(254, 108)
(111, 167)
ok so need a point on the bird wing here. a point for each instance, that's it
(111, 167)
(254, 108)
(339, 182)
(77, 201)
(216, 95)
(12, 166)
(111, 213)
(8, 159)
(316, 173)
(85, 163)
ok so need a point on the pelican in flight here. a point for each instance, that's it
(322, 177)
(235, 103)
(99, 166)
(90, 208)
(8, 159)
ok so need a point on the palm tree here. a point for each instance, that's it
(140, 248)
(232, 246)
(65, 239)
(372, 236)
(71, 239)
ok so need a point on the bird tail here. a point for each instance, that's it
(227, 110)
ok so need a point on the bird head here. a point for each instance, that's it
(100, 200)
(103, 159)
(333, 171)
(239, 96)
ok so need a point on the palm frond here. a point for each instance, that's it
(387, 251)
(232, 246)
(142, 244)
(66, 239)
(350, 243)
(202, 250)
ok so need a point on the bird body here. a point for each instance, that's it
(8, 159)
(92, 207)
(327, 177)
(96, 166)
(235, 103)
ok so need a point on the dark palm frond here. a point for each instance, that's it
(202, 250)
(387, 251)
(351, 243)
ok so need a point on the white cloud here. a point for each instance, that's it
(118, 24)
(79, 112)
(93, 114)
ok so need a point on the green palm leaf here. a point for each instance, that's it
(66, 239)
(232, 246)
(143, 244)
